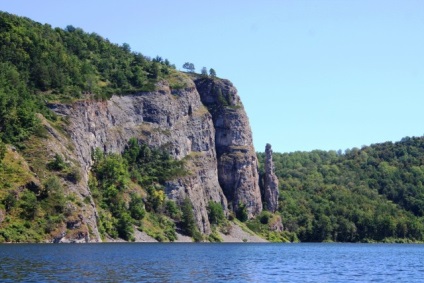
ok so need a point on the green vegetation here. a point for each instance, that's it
(189, 67)
(39, 65)
(267, 226)
(33, 212)
(128, 189)
(66, 63)
(369, 194)
(189, 222)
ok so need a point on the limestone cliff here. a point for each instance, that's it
(237, 163)
(270, 182)
(216, 142)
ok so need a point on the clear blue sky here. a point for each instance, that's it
(312, 74)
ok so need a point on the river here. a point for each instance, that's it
(204, 262)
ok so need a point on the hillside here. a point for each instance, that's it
(370, 194)
(100, 143)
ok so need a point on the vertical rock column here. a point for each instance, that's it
(237, 163)
(270, 182)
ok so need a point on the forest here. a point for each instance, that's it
(361, 195)
(40, 64)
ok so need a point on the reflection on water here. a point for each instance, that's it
(135, 262)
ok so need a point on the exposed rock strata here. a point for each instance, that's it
(270, 182)
(237, 162)
(216, 144)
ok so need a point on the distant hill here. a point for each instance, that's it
(375, 193)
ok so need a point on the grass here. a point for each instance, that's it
(14, 172)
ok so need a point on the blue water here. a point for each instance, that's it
(244, 262)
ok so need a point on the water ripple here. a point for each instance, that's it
(212, 263)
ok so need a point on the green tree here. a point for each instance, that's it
(241, 212)
(212, 73)
(136, 207)
(189, 67)
(188, 221)
(216, 213)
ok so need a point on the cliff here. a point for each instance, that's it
(214, 137)
(236, 158)
(72, 106)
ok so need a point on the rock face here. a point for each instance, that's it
(236, 157)
(216, 142)
(270, 182)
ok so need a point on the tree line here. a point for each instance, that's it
(375, 193)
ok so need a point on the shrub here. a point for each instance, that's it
(189, 222)
(58, 164)
(74, 175)
(136, 207)
(241, 213)
(172, 210)
(215, 213)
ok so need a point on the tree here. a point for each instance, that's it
(189, 67)
(204, 72)
(215, 213)
(212, 73)
(2, 151)
(188, 220)
(241, 213)
(126, 47)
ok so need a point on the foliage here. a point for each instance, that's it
(17, 106)
(369, 194)
(2, 151)
(57, 164)
(34, 212)
(71, 61)
(39, 64)
(188, 222)
(120, 206)
(212, 73)
(216, 213)
(149, 165)
(241, 212)
(189, 67)
(136, 207)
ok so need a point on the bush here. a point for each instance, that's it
(241, 213)
(28, 204)
(189, 222)
(74, 175)
(264, 217)
(136, 207)
(125, 227)
(58, 164)
(56, 198)
(172, 210)
(215, 213)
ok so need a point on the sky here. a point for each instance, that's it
(312, 74)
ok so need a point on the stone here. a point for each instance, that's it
(217, 145)
(236, 157)
(270, 182)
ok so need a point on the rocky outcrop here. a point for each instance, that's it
(176, 119)
(212, 135)
(58, 143)
(270, 182)
(236, 157)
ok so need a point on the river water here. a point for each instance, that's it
(191, 262)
